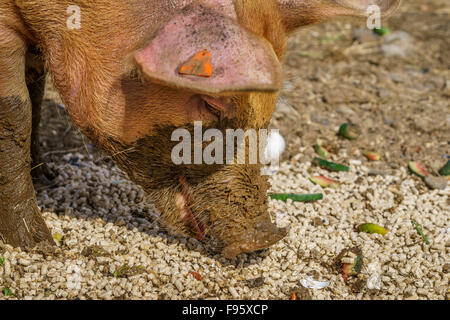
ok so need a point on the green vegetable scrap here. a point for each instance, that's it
(420, 231)
(119, 272)
(418, 169)
(7, 292)
(372, 228)
(372, 156)
(349, 131)
(125, 271)
(324, 182)
(382, 31)
(445, 170)
(331, 165)
(321, 151)
(296, 197)
(57, 237)
(351, 269)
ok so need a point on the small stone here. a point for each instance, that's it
(364, 35)
(120, 222)
(446, 268)
(283, 106)
(24, 262)
(435, 182)
(320, 119)
(388, 119)
(398, 43)
(233, 292)
(317, 222)
(44, 269)
(7, 271)
(379, 172)
(345, 110)
(276, 275)
(422, 292)
(393, 165)
(255, 283)
(179, 285)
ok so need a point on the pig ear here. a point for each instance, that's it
(298, 13)
(204, 51)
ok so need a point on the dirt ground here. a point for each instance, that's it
(396, 91)
(401, 103)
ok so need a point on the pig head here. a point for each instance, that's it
(137, 70)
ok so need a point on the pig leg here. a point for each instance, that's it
(21, 223)
(35, 78)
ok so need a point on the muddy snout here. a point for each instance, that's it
(230, 204)
(260, 235)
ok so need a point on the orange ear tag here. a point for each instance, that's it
(199, 65)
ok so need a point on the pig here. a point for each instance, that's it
(116, 65)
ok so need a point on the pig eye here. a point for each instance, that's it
(212, 109)
(221, 108)
(212, 106)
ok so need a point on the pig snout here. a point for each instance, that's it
(231, 205)
(261, 234)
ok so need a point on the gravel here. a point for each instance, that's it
(114, 248)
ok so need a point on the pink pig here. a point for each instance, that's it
(118, 74)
